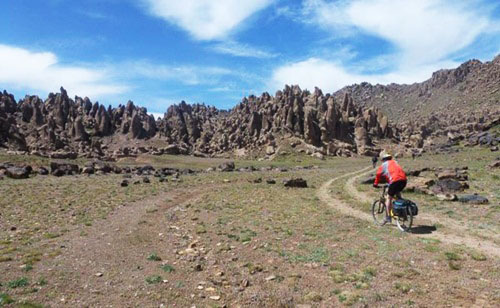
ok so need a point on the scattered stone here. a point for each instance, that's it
(124, 183)
(18, 172)
(448, 186)
(447, 174)
(420, 183)
(257, 181)
(270, 278)
(414, 172)
(270, 150)
(88, 170)
(495, 164)
(297, 182)
(318, 155)
(494, 149)
(271, 181)
(99, 274)
(215, 297)
(226, 167)
(473, 199)
(43, 171)
(446, 197)
(146, 180)
(245, 283)
(61, 169)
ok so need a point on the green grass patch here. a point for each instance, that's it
(452, 256)
(18, 283)
(154, 257)
(5, 299)
(477, 256)
(155, 279)
(168, 268)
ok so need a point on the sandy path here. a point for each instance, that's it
(323, 193)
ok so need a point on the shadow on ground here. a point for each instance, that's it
(423, 229)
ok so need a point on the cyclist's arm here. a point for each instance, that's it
(378, 176)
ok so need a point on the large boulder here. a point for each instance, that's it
(61, 169)
(296, 182)
(226, 167)
(18, 172)
(473, 199)
(448, 186)
(420, 185)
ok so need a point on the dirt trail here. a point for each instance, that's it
(323, 193)
(116, 249)
(450, 224)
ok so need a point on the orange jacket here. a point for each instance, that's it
(391, 171)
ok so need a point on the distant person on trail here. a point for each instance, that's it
(393, 174)
(374, 161)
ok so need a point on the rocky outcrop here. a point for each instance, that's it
(60, 122)
(345, 123)
(257, 122)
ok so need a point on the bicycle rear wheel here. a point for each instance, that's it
(378, 212)
(405, 222)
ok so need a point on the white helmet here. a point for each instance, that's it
(386, 155)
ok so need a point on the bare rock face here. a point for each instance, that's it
(78, 132)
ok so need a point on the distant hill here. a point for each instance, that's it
(471, 86)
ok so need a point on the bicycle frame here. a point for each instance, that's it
(384, 196)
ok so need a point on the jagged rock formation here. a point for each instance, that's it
(79, 126)
(335, 127)
(60, 123)
(459, 104)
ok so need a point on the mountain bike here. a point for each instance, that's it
(403, 216)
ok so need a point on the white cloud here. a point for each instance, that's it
(206, 19)
(185, 74)
(24, 69)
(312, 73)
(423, 31)
(331, 76)
(425, 34)
(241, 50)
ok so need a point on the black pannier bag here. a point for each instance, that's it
(401, 206)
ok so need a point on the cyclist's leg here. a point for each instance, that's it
(388, 207)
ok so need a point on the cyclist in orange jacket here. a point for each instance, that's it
(393, 174)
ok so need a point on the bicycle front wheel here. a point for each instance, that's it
(378, 212)
(405, 222)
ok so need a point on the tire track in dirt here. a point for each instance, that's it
(428, 218)
(324, 195)
(115, 247)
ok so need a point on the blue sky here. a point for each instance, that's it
(158, 52)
